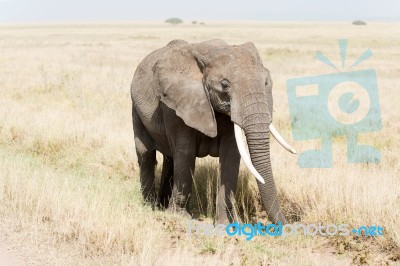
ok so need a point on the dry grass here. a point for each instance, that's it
(68, 177)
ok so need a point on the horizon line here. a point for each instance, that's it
(188, 21)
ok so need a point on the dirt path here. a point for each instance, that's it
(19, 246)
(6, 257)
(26, 245)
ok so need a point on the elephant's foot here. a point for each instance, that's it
(150, 196)
(165, 197)
(178, 206)
(180, 211)
(163, 202)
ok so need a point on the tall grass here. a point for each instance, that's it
(69, 184)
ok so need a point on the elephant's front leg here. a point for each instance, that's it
(229, 159)
(184, 163)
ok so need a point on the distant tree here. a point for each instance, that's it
(174, 21)
(359, 22)
(194, 22)
(202, 23)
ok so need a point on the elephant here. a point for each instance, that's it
(192, 100)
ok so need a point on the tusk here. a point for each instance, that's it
(244, 155)
(280, 139)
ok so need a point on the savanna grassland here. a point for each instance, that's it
(69, 186)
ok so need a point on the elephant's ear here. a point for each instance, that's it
(181, 88)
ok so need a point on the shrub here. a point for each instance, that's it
(174, 21)
(359, 22)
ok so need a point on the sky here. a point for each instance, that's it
(12, 11)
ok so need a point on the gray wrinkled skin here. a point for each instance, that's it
(186, 97)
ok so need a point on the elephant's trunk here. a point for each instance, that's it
(257, 135)
(252, 112)
(245, 157)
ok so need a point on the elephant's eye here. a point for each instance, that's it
(225, 84)
(266, 82)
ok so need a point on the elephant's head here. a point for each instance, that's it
(200, 79)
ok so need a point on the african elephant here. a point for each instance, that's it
(194, 99)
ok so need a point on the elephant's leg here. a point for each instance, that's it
(146, 154)
(166, 181)
(184, 162)
(229, 159)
